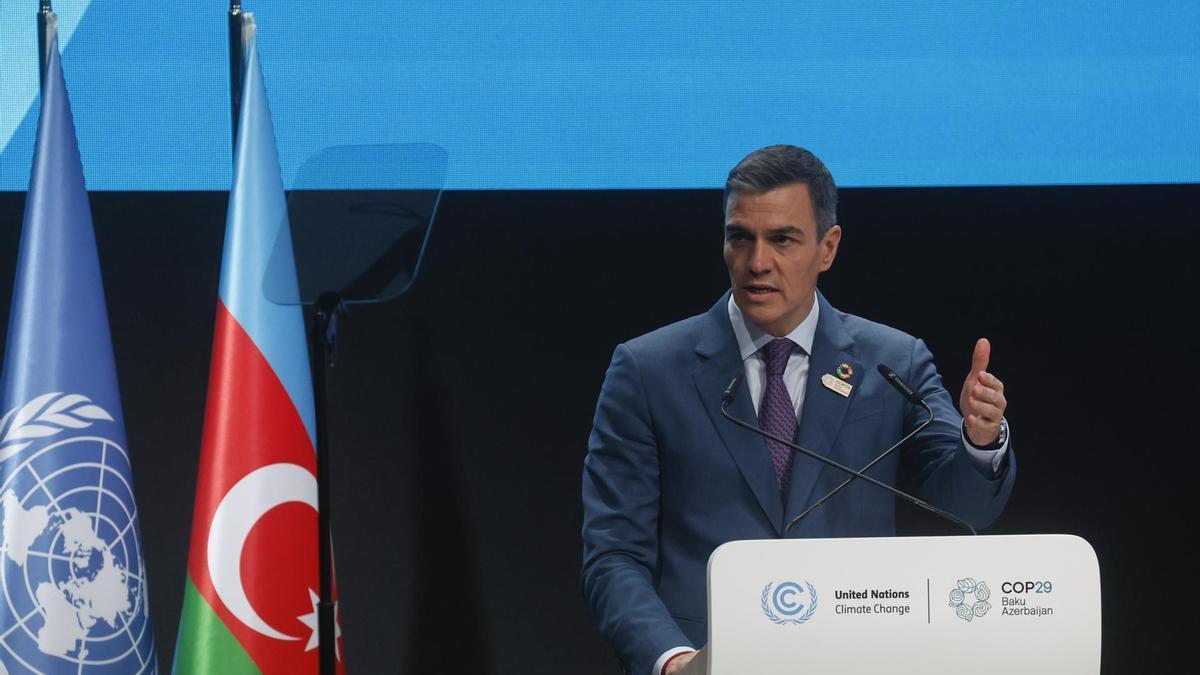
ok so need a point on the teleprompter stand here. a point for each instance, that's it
(354, 240)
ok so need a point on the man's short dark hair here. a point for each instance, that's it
(777, 165)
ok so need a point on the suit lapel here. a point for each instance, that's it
(719, 362)
(823, 411)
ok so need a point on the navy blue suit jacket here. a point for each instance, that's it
(667, 479)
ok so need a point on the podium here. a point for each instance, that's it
(989, 604)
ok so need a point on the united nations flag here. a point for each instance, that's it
(72, 579)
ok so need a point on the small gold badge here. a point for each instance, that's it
(831, 382)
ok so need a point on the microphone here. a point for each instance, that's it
(902, 387)
(730, 394)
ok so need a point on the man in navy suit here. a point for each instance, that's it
(667, 479)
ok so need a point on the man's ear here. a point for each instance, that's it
(829, 246)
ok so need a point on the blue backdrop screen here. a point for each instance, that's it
(635, 94)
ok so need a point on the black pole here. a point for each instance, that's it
(322, 339)
(47, 24)
(322, 347)
(235, 67)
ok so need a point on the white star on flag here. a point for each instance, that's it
(313, 622)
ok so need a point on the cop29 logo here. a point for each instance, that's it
(789, 602)
(970, 599)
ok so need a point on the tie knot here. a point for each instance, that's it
(776, 355)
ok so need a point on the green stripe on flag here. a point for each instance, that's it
(205, 646)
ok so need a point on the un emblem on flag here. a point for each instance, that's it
(71, 572)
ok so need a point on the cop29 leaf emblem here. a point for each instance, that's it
(789, 602)
(970, 599)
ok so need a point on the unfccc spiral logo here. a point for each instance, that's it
(789, 602)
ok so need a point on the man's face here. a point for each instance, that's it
(774, 257)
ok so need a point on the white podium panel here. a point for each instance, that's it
(988, 604)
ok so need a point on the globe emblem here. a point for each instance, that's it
(71, 569)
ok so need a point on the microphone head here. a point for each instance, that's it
(731, 391)
(894, 380)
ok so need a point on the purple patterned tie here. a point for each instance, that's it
(775, 412)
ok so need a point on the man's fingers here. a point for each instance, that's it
(985, 412)
(975, 423)
(979, 359)
(989, 380)
(988, 395)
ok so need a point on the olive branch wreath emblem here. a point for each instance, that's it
(45, 416)
(766, 606)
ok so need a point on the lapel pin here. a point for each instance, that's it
(844, 371)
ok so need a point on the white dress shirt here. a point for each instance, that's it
(751, 339)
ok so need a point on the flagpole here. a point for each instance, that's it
(46, 26)
(236, 55)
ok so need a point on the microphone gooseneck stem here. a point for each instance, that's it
(731, 393)
(866, 468)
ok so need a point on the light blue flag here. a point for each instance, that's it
(72, 579)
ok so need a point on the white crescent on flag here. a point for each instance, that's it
(248, 500)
